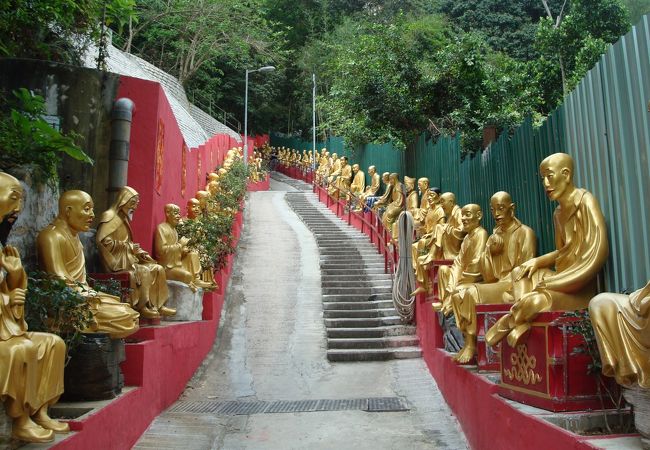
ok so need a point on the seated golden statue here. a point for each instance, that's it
(31, 368)
(180, 263)
(60, 253)
(358, 183)
(396, 204)
(435, 216)
(203, 197)
(622, 327)
(342, 184)
(466, 267)
(119, 253)
(510, 245)
(412, 200)
(386, 197)
(420, 213)
(582, 248)
(370, 191)
(334, 172)
(447, 237)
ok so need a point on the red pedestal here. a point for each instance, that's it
(547, 371)
(488, 358)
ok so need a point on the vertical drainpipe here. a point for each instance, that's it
(118, 158)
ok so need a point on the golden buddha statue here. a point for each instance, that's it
(466, 267)
(343, 181)
(420, 213)
(60, 253)
(180, 263)
(372, 189)
(119, 253)
(510, 245)
(412, 200)
(395, 206)
(203, 197)
(385, 199)
(435, 216)
(622, 327)
(31, 372)
(193, 209)
(358, 182)
(581, 250)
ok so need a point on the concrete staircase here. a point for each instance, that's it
(361, 322)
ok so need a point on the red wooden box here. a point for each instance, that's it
(488, 358)
(546, 371)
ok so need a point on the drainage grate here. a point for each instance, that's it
(386, 404)
(236, 408)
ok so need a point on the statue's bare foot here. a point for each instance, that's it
(166, 312)
(466, 354)
(437, 306)
(419, 290)
(42, 419)
(148, 313)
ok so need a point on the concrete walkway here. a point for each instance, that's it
(272, 346)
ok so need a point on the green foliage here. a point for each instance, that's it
(112, 287)
(56, 30)
(580, 324)
(51, 306)
(26, 138)
(210, 237)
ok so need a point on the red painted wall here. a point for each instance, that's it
(151, 109)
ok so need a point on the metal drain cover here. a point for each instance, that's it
(237, 408)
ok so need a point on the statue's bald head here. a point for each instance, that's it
(448, 201)
(501, 197)
(385, 177)
(471, 216)
(11, 195)
(557, 161)
(171, 208)
(73, 198)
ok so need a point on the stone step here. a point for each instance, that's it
(354, 272)
(358, 276)
(357, 290)
(361, 305)
(371, 332)
(359, 313)
(356, 297)
(362, 322)
(358, 282)
(334, 265)
(383, 342)
(382, 354)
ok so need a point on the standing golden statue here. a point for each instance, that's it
(466, 267)
(31, 368)
(581, 250)
(119, 253)
(180, 263)
(510, 245)
(622, 327)
(60, 253)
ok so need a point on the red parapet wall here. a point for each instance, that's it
(263, 185)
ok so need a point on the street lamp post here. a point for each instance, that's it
(261, 69)
(313, 122)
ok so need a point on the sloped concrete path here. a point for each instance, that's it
(272, 346)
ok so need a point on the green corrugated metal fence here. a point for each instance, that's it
(604, 123)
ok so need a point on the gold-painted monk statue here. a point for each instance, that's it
(420, 213)
(385, 199)
(60, 253)
(510, 245)
(370, 191)
(581, 250)
(466, 267)
(193, 209)
(358, 183)
(180, 263)
(395, 206)
(622, 327)
(119, 253)
(31, 364)
(435, 216)
(344, 179)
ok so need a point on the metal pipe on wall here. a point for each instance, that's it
(118, 157)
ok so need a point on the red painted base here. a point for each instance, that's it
(488, 358)
(263, 185)
(160, 360)
(547, 369)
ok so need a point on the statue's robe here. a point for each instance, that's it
(31, 368)
(61, 254)
(169, 253)
(519, 245)
(466, 267)
(622, 327)
(582, 248)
